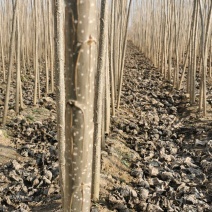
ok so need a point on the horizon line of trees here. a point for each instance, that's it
(177, 37)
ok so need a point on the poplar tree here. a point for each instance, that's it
(80, 68)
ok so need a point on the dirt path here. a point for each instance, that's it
(157, 157)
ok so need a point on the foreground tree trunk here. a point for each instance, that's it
(80, 63)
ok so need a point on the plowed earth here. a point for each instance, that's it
(157, 156)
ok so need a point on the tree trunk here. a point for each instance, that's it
(98, 113)
(60, 89)
(112, 58)
(123, 56)
(12, 43)
(80, 63)
(36, 56)
(18, 72)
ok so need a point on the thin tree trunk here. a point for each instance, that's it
(111, 59)
(60, 90)
(2, 58)
(36, 56)
(123, 56)
(11, 52)
(107, 93)
(206, 30)
(18, 72)
(98, 106)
